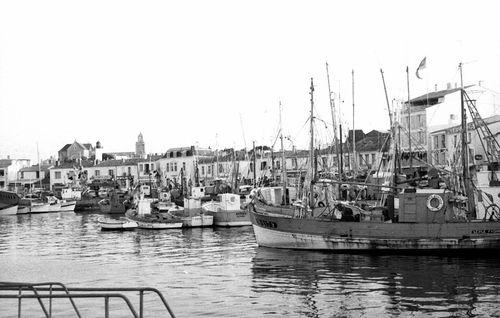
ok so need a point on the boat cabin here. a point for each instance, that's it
(426, 206)
(274, 195)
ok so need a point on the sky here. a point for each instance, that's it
(212, 73)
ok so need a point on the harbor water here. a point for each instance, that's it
(221, 272)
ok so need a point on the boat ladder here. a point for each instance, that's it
(56, 290)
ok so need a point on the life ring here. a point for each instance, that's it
(432, 198)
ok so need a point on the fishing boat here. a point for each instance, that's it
(149, 217)
(424, 220)
(226, 211)
(191, 214)
(121, 224)
(9, 202)
(118, 203)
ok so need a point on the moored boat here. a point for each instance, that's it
(227, 211)
(121, 224)
(443, 218)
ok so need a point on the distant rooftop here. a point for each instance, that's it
(432, 98)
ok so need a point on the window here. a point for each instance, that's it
(2, 184)
(455, 137)
(470, 138)
(2, 172)
(184, 166)
(208, 169)
(152, 167)
(175, 166)
(294, 162)
(419, 117)
(443, 141)
(110, 172)
(146, 167)
(373, 158)
(277, 165)
(203, 170)
(168, 167)
(263, 165)
(141, 168)
(57, 175)
(171, 154)
(436, 142)
(367, 159)
(97, 173)
(22, 174)
(361, 160)
(129, 170)
(251, 166)
(179, 154)
(221, 168)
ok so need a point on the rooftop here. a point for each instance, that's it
(432, 98)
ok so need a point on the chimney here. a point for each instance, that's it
(448, 86)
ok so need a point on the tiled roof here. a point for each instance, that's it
(73, 165)
(119, 162)
(65, 147)
(35, 168)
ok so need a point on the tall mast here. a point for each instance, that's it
(409, 117)
(311, 150)
(354, 161)
(465, 149)
(334, 122)
(283, 161)
(254, 167)
(393, 131)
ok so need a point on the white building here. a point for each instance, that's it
(9, 169)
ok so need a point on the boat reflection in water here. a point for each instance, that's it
(317, 284)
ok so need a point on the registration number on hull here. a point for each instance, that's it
(268, 224)
(486, 231)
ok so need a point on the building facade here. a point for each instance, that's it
(76, 151)
(9, 169)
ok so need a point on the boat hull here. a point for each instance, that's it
(313, 234)
(68, 206)
(198, 221)
(230, 218)
(12, 210)
(118, 226)
(44, 208)
(159, 225)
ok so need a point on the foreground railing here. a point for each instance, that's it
(39, 292)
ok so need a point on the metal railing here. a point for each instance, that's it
(39, 292)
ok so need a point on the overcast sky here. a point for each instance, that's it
(212, 73)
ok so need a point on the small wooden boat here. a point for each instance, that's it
(121, 224)
(154, 221)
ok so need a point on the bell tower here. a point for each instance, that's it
(140, 147)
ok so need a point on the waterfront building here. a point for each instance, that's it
(370, 150)
(70, 173)
(76, 151)
(444, 142)
(431, 112)
(9, 169)
(185, 158)
(34, 176)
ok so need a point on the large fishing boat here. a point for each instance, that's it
(410, 219)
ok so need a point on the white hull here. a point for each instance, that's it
(117, 225)
(198, 221)
(23, 210)
(233, 223)
(231, 218)
(158, 225)
(68, 206)
(45, 208)
(9, 211)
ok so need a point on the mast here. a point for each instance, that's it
(283, 162)
(465, 149)
(254, 167)
(311, 150)
(334, 123)
(409, 117)
(354, 161)
(393, 132)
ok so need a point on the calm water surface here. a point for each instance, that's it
(222, 273)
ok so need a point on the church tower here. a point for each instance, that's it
(140, 147)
